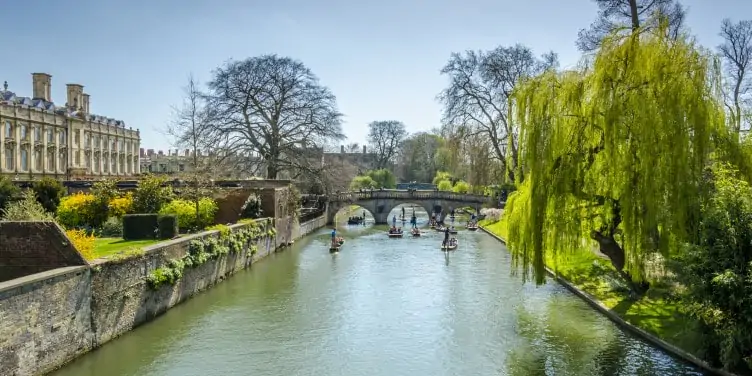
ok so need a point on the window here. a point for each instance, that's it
(87, 138)
(50, 135)
(8, 129)
(38, 134)
(24, 159)
(51, 161)
(95, 167)
(181, 167)
(105, 165)
(24, 132)
(88, 162)
(113, 160)
(96, 141)
(77, 138)
(78, 158)
(38, 159)
(63, 160)
(63, 136)
(122, 165)
(9, 153)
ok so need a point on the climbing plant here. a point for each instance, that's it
(614, 153)
(209, 248)
(293, 202)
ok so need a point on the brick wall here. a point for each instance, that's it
(33, 247)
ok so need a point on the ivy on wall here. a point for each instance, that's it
(210, 248)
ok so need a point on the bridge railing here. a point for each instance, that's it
(408, 195)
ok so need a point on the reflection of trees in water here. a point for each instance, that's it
(558, 339)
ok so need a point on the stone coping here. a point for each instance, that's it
(38, 277)
(634, 330)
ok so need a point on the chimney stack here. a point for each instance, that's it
(364, 149)
(150, 152)
(160, 153)
(187, 152)
(42, 86)
(142, 152)
(86, 103)
(342, 149)
(75, 96)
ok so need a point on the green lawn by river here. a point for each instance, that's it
(655, 312)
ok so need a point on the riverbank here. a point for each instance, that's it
(657, 316)
(97, 302)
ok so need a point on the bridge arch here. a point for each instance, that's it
(339, 209)
(380, 203)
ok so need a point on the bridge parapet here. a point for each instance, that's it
(408, 195)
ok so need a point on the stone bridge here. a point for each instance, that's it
(380, 203)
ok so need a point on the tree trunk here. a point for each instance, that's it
(608, 246)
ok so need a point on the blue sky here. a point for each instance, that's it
(380, 58)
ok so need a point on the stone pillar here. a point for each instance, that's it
(2, 146)
(17, 150)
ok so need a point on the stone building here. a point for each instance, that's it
(39, 138)
(177, 162)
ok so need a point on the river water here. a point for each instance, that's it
(382, 306)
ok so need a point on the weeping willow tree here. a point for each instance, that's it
(614, 153)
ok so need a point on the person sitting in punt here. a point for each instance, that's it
(393, 230)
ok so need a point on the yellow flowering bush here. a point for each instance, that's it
(76, 210)
(83, 242)
(120, 206)
(185, 211)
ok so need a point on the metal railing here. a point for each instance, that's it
(408, 195)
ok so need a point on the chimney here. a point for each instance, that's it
(42, 86)
(142, 152)
(150, 152)
(187, 152)
(161, 153)
(75, 96)
(342, 149)
(86, 103)
(364, 149)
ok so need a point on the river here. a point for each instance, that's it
(382, 306)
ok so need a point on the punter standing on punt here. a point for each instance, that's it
(446, 236)
(334, 235)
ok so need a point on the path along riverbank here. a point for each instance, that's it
(653, 317)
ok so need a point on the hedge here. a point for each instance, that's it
(140, 226)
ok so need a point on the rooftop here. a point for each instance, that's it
(10, 98)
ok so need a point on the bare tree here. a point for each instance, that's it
(627, 16)
(275, 108)
(480, 86)
(736, 51)
(386, 139)
(352, 147)
(189, 128)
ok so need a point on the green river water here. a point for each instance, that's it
(382, 306)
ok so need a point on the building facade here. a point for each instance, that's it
(175, 163)
(39, 138)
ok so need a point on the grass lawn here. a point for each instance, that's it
(655, 312)
(104, 247)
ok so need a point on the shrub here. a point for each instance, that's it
(8, 192)
(461, 187)
(49, 192)
(185, 211)
(26, 209)
(442, 176)
(83, 242)
(112, 228)
(151, 195)
(252, 207)
(167, 226)
(103, 191)
(140, 226)
(120, 206)
(444, 185)
(76, 210)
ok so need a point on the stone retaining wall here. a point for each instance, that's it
(50, 318)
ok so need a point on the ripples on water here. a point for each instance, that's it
(381, 307)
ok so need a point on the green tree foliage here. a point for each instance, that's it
(461, 187)
(103, 191)
(718, 271)
(49, 192)
(362, 182)
(28, 208)
(614, 152)
(152, 193)
(383, 178)
(441, 176)
(444, 185)
(8, 192)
